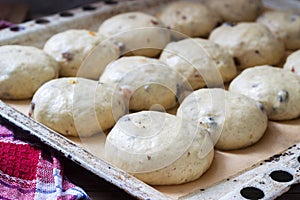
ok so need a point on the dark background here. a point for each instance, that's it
(39, 8)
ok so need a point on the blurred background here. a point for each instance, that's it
(17, 11)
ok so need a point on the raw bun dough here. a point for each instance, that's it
(77, 106)
(251, 44)
(190, 19)
(234, 120)
(236, 10)
(147, 82)
(200, 62)
(285, 25)
(159, 148)
(278, 90)
(23, 70)
(71, 47)
(293, 63)
(137, 32)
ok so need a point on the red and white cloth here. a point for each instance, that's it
(5, 24)
(27, 173)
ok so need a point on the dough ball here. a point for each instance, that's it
(159, 148)
(77, 106)
(23, 70)
(293, 63)
(236, 10)
(233, 120)
(251, 44)
(147, 82)
(285, 25)
(200, 62)
(139, 33)
(71, 47)
(276, 89)
(190, 19)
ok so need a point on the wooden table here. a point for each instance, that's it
(13, 12)
(99, 189)
(95, 187)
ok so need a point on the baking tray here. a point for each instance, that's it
(251, 171)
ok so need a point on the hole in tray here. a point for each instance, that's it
(281, 176)
(66, 14)
(110, 2)
(88, 7)
(16, 28)
(229, 24)
(42, 21)
(252, 193)
(236, 61)
(298, 159)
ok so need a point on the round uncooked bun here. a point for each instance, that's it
(293, 63)
(145, 81)
(23, 70)
(285, 25)
(200, 62)
(190, 19)
(139, 33)
(71, 47)
(278, 90)
(233, 120)
(159, 148)
(77, 106)
(251, 44)
(236, 10)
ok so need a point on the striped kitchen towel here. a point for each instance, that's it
(5, 24)
(27, 173)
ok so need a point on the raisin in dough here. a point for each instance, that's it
(278, 90)
(23, 70)
(285, 25)
(145, 81)
(71, 47)
(200, 62)
(77, 106)
(190, 19)
(251, 44)
(236, 10)
(159, 148)
(293, 63)
(139, 33)
(233, 120)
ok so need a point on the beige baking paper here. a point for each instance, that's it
(278, 137)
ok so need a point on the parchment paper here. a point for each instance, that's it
(278, 137)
